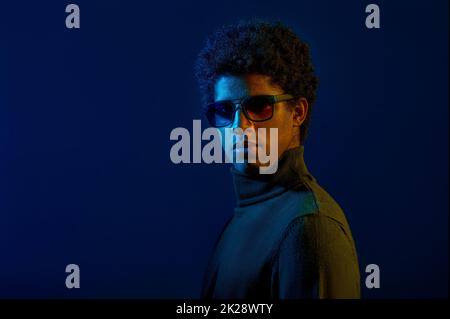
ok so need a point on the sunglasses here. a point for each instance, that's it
(257, 108)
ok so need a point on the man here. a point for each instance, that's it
(287, 238)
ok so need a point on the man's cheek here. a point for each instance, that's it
(227, 146)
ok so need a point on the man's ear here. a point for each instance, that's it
(300, 111)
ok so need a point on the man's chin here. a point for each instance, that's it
(247, 167)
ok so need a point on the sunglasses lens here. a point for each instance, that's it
(258, 108)
(220, 114)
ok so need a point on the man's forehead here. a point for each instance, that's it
(229, 87)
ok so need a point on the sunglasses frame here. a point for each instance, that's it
(273, 100)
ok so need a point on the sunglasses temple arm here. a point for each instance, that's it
(283, 97)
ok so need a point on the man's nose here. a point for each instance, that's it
(240, 120)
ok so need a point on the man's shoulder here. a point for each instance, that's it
(314, 202)
(319, 219)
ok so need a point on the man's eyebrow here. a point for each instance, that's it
(237, 99)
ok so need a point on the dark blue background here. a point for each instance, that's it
(85, 118)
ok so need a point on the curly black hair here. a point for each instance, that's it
(259, 47)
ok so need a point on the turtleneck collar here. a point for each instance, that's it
(292, 171)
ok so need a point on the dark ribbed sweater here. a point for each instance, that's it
(287, 239)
